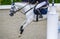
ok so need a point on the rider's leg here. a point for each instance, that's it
(40, 5)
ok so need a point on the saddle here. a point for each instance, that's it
(40, 11)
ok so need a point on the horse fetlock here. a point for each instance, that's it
(21, 29)
(11, 14)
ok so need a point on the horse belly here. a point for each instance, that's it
(30, 14)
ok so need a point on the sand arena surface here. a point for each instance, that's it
(9, 27)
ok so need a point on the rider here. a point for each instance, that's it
(43, 7)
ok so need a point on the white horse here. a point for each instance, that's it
(30, 16)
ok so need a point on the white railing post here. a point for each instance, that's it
(52, 24)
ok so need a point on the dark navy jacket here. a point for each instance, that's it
(41, 1)
(34, 1)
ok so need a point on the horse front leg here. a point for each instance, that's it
(25, 24)
(29, 19)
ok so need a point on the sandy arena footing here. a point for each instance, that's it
(9, 27)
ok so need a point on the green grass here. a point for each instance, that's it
(56, 1)
(8, 2)
(3, 2)
(0, 2)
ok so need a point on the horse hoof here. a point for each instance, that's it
(21, 29)
(11, 14)
(20, 35)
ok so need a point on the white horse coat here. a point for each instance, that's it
(30, 16)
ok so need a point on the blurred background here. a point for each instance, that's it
(8, 2)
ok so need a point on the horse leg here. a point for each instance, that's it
(29, 19)
(27, 22)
